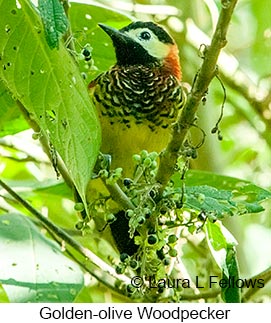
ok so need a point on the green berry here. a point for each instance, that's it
(79, 207)
(152, 239)
(163, 210)
(147, 162)
(144, 154)
(153, 155)
(172, 253)
(166, 261)
(133, 264)
(154, 164)
(172, 238)
(119, 270)
(123, 256)
(136, 159)
(79, 225)
(36, 135)
(127, 182)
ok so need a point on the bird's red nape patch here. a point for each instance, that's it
(172, 62)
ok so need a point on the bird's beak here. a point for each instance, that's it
(116, 36)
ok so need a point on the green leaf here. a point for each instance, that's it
(231, 293)
(33, 268)
(219, 239)
(219, 196)
(54, 20)
(222, 246)
(50, 87)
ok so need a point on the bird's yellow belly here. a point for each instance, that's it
(122, 142)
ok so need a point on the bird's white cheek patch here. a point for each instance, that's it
(157, 49)
(153, 46)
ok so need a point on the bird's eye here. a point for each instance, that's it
(145, 35)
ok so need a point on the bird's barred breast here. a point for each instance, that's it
(137, 94)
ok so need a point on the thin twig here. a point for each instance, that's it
(119, 196)
(204, 77)
(100, 268)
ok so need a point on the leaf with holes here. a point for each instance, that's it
(220, 196)
(48, 84)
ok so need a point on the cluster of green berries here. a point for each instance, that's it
(146, 161)
(111, 177)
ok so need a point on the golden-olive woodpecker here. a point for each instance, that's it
(137, 100)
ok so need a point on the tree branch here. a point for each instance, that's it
(265, 276)
(203, 295)
(202, 81)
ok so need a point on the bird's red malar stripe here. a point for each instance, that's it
(172, 62)
(92, 84)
